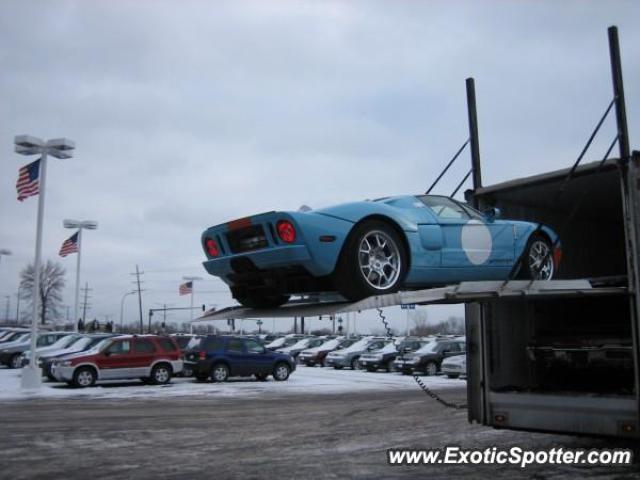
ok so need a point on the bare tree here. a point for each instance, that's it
(52, 283)
(419, 318)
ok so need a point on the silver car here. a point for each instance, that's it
(350, 356)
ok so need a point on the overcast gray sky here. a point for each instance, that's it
(188, 114)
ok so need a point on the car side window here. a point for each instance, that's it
(212, 344)
(143, 346)
(235, 345)
(119, 347)
(444, 207)
(254, 347)
(450, 347)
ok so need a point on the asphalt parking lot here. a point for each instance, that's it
(291, 435)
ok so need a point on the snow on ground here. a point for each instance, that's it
(303, 380)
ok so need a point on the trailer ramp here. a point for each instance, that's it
(464, 292)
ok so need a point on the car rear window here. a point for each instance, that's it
(144, 346)
(167, 345)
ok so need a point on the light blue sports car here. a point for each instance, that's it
(375, 247)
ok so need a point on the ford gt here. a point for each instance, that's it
(374, 247)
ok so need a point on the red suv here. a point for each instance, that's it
(151, 358)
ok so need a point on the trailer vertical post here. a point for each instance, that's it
(473, 135)
(618, 91)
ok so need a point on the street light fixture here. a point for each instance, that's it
(80, 225)
(59, 148)
(5, 252)
(122, 307)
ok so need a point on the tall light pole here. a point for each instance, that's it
(122, 307)
(58, 148)
(193, 288)
(80, 225)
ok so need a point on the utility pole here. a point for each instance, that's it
(85, 303)
(18, 306)
(139, 291)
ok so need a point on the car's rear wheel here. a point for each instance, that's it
(219, 373)
(388, 366)
(373, 261)
(261, 300)
(453, 375)
(355, 364)
(431, 369)
(15, 361)
(281, 371)
(371, 369)
(84, 377)
(161, 374)
(537, 260)
(338, 367)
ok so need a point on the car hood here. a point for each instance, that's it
(16, 348)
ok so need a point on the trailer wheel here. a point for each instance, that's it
(373, 261)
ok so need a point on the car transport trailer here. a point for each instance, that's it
(552, 356)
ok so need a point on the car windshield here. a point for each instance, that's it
(330, 344)
(389, 348)
(430, 347)
(301, 344)
(63, 342)
(81, 342)
(278, 342)
(358, 346)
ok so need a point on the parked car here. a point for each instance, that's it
(302, 344)
(10, 353)
(350, 356)
(82, 344)
(428, 359)
(10, 334)
(62, 342)
(317, 355)
(221, 357)
(454, 367)
(151, 358)
(385, 357)
(375, 247)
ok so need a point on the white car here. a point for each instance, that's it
(454, 367)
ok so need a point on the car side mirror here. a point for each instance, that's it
(492, 214)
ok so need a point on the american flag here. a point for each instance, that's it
(186, 288)
(28, 180)
(69, 246)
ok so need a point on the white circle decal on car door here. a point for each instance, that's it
(476, 242)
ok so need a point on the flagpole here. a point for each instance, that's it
(75, 307)
(31, 378)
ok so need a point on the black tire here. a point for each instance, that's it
(219, 373)
(388, 366)
(281, 371)
(349, 278)
(84, 377)
(527, 269)
(431, 369)
(262, 301)
(338, 367)
(310, 364)
(406, 372)
(161, 374)
(14, 361)
(371, 369)
(262, 377)
(355, 364)
(453, 375)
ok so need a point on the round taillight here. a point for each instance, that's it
(286, 231)
(212, 247)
